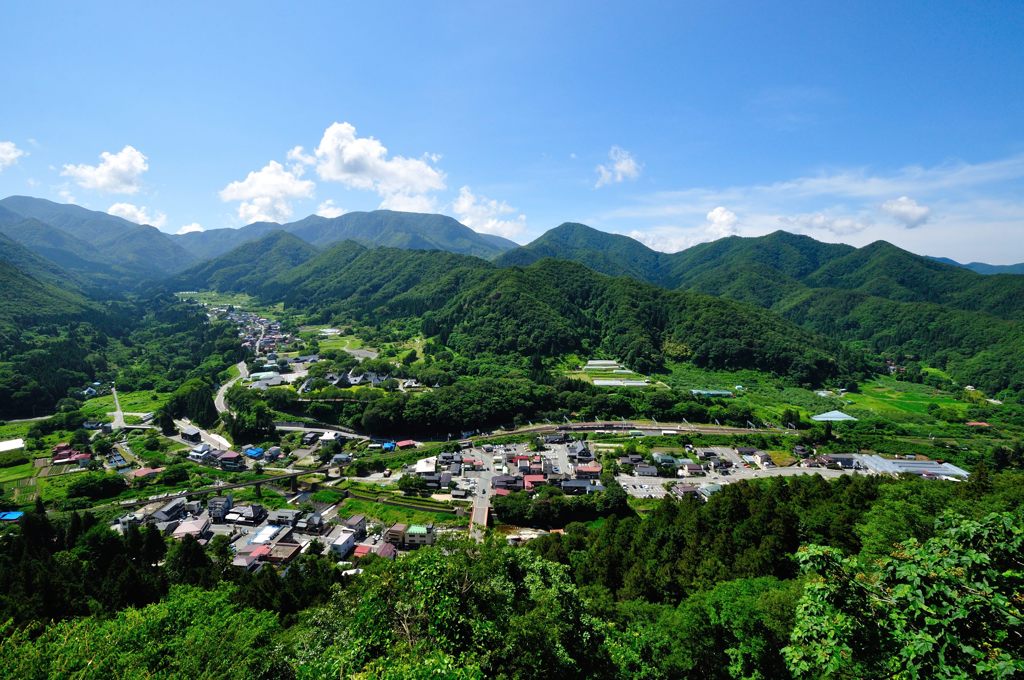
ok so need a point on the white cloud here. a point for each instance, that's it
(484, 215)
(420, 203)
(266, 194)
(9, 154)
(622, 167)
(667, 239)
(189, 228)
(363, 163)
(138, 214)
(907, 211)
(721, 222)
(117, 173)
(66, 196)
(328, 208)
(815, 223)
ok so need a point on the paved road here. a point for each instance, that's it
(218, 401)
(118, 414)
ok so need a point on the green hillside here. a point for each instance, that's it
(247, 266)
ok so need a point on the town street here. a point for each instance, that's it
(219, 402)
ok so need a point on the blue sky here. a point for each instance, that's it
(672, 122)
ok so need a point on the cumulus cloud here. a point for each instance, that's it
(117, 173)
(721, 222)
(189, 228)
(622, 166)
(9, 154)
(487, 215)
(363, 163)
(265, 195)
(328, 208)
(138, 214)
(907, 211)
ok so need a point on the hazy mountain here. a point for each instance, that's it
(248, 266)
(131, 251)
(32, 295)
(419, 231)
(982, 268)
(39, 268)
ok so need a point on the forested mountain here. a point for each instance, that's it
(376, 228)
(549, 308)
(882, 297)
(108, 250)
(248, 265)
(37, 267)
(29, 301)
(611, 254)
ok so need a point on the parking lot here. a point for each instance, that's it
(643, 487)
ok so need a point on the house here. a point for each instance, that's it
(632, 459)
(219, 506)
(664, 459)
(459, 493)
(273, 453)
(708, 490)
(144, 473)
(364, 550)
(231, 461)
(507, 482)
(314, 524)
(589, 471)
(764, 459)
(191, 434)
(681, 490)
(406, 444)
(396, 534)
(196, 528)
(644, 470)
(89, 392)
(746, 451)
(691, 470)
(310, 438)
(170, 511)
(283, 552)
(417, 535)
(341, 459)
(246, 514)
(343, 543)
(207, 457)
(578, 450)
(446, 480)
(285, 517)
(387, 551)
(425, 466)
(531, 481)
(578, 487)
(254, 452)
(357, 523)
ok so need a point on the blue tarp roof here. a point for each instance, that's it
(12, 516)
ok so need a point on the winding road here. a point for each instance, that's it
(218, 401)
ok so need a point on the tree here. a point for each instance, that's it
(188, 564)
(948, 607)
(412, 484)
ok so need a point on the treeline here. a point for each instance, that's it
(78, 566)
(942, 606)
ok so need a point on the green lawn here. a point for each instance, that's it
(339, 342)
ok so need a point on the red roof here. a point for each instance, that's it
(501, 492)
(518, 459)
(593, 467)
(362, 551)
(261, 551)
(405, 443)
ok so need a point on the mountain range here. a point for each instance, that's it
(878, 298)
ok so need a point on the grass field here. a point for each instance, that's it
(390, 514)
(16, 472)
(896, 399)
(143, 401)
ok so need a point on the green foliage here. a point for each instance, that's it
(193, 633)
(947, 607)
